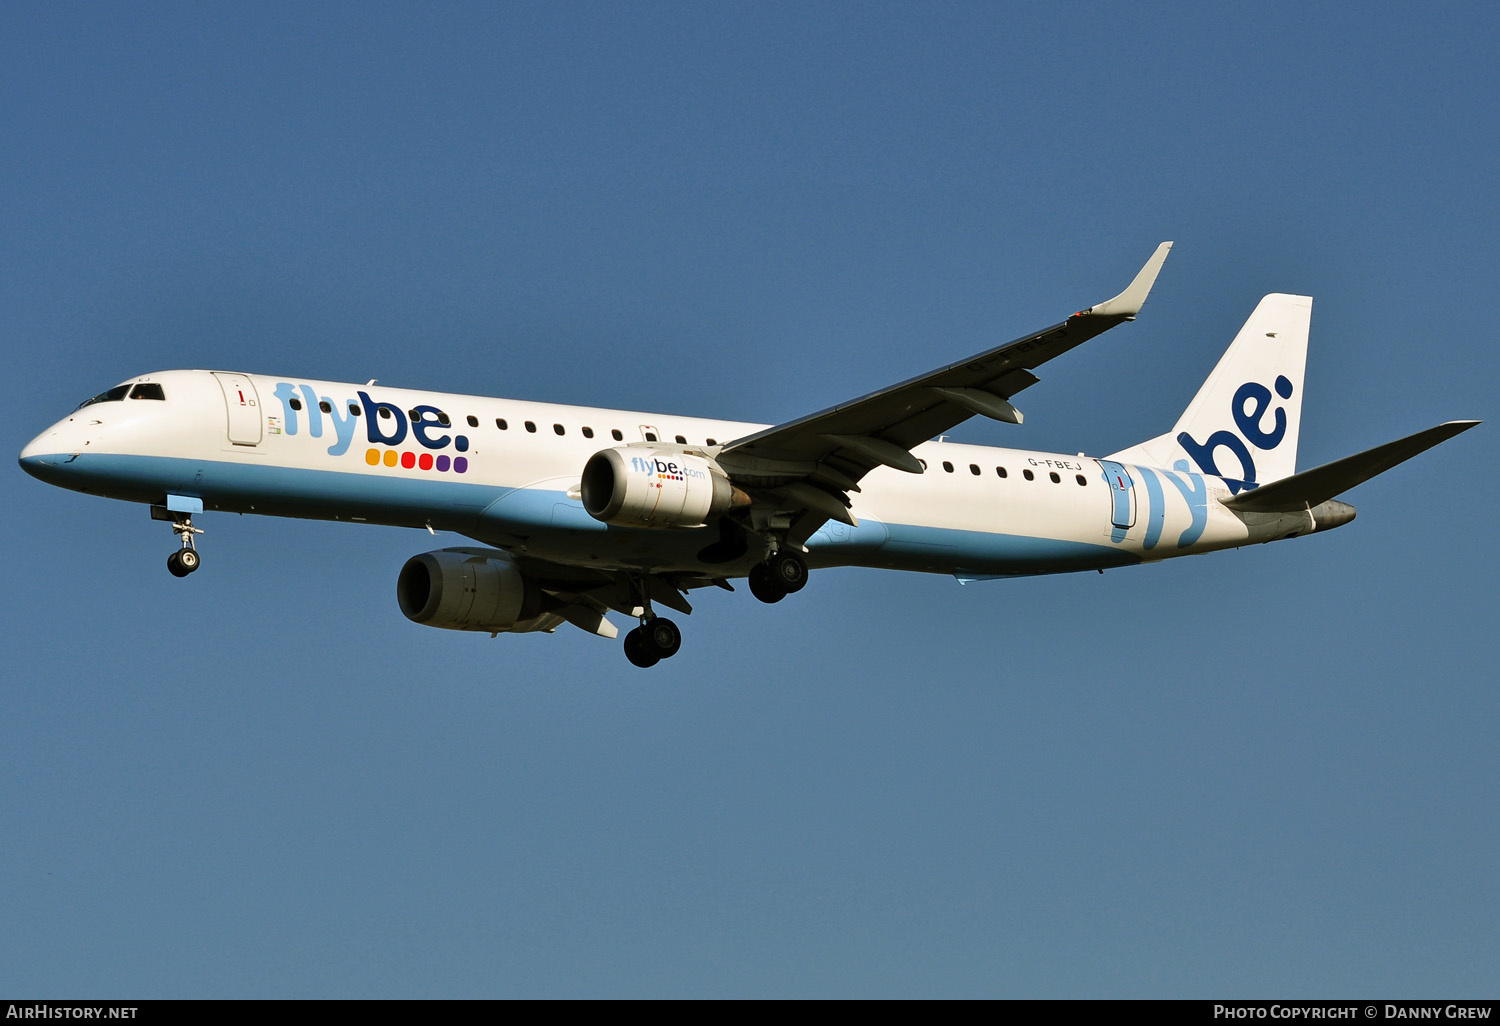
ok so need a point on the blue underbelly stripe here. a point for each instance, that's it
(479, 510)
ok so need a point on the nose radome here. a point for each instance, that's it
(35, 458)
(51, 447)
(37, 447)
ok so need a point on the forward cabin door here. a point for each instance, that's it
(243, 408)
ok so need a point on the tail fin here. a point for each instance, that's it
(1243, 423)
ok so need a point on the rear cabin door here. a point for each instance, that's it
(1122, 491)
(243, 408)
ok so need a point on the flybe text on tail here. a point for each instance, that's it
(1251, 402)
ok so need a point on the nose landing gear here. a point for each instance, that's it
(185, 560)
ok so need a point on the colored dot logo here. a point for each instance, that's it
(410, 461)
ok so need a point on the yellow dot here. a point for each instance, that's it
(391, 457)
(372, 457)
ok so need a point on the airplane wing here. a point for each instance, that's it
(807, 466)
(581, 595)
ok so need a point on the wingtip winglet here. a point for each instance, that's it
(1128, 303)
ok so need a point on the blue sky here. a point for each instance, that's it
(1268, 772)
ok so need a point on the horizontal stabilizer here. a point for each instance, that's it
(1311, 487)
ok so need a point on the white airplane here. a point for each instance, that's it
(582, 510)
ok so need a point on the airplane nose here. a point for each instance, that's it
(35, 449)
(45, 453)
(34, 459)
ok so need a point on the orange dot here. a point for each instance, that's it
(372, 457)
(391, 457)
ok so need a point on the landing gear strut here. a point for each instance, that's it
(776, 578)
(185, 560)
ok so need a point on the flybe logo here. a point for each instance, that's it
(1251, 402)
(664, 470)
(384, 424)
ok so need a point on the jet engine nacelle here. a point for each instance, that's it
(631, 487)
(470, 590)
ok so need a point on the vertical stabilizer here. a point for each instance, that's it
(1243, 423)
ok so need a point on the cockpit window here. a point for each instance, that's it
(147, 390)
(113, 395)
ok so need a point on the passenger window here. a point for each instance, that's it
(712, 442)
(443, 419)
(1055, 478)
(1000, 472)
(615, 434)
(354, 409)
(1029, 475)
(681, 440)
(588, 432)
(1082, 481)
(948, 466)
(147, 390)
(500, 423)
(974, 469)
(558, 428)
(296, 404)
(325, 406)
(650, 436)
(473, 421)
(531, 426)
(385, 412)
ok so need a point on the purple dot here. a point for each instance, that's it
(460, 464)
(442, 463)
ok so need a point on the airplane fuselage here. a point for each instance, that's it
(507, 472)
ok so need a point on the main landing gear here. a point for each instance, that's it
(657, 638)
(185, 560)
(778, 577)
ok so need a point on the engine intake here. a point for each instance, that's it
(631, 487)
(467, 590)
